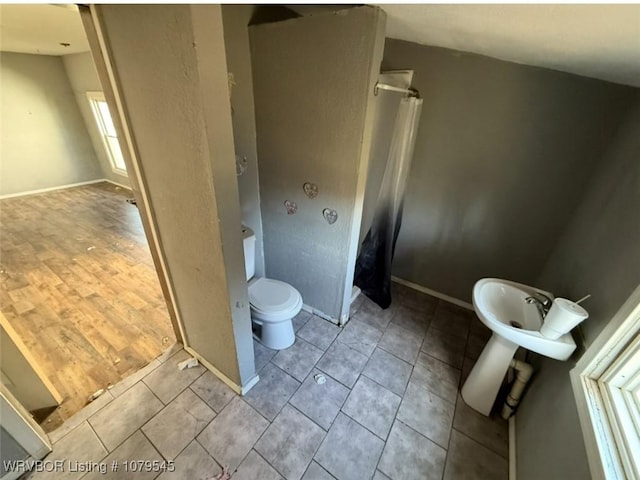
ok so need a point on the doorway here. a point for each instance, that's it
(77, 280)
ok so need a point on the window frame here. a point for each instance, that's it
(94, 98)
(606, 384)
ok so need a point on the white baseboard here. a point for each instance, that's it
(230, 383)
(512, 448)
(52, 189)
(433, 293)
(320, 314)
(121, 185)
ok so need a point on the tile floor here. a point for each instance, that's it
(389, 408)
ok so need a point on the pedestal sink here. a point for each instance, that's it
(501, 306)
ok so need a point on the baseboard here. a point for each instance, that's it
(52, 189)
(121, 185)
(433, 293)
(230, 383)
(512, 448)
(320, 314)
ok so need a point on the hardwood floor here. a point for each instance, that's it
(78, 284)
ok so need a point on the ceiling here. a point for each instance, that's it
(41, 29)
(595, 40)
(599, 41)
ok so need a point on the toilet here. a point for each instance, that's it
(273, 303)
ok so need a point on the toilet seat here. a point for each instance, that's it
(273, 300)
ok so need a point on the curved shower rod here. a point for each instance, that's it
(412, 92)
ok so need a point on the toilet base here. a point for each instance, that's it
(276, 336)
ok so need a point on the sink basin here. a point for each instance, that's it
(501, 306)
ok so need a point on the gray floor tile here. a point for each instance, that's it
(175, 426)
(380, 476)
(456, 310)
(436, 376)
(316, 472)
(124, 415)
(444, 346)
(80, 446)
(360, 336)
(300, 320)
(135, 450)
(475, 345)
(254, 467)
(467, 365)
(213, 391)
(270, 394)
(388, 370)
(319, 332)
(193, 463)
(298, 359)
(290, 443)
(320, 402)
(125, 384)
(469, 460)
(408, 455)
(452, 322)
(413, 320)
(492, 432)
(372, 406)
(349, 451)
(401, 343)
(232, 434)
(418, 300)
(167, 381)
(427, 414)
(79, 417)
(263, 355)
(373, 315)
(356, 304)
(342, 363)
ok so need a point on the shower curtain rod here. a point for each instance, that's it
(411, 91)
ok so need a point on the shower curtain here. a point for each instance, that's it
(373, 265)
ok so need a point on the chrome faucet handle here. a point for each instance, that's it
(542, 298)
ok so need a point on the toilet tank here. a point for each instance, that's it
(249, 244)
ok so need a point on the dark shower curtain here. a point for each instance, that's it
(373, 265)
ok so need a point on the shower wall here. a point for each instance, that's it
(313, 87)
(235, 20)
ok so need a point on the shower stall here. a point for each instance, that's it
(398, 109)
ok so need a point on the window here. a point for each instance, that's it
(606, 382)
(108, 131)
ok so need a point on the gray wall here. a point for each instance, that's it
(599, 253)
(313, 84)
(83, 77)
(43, 141)
(503, 155)
(177, 104)
(236, 19)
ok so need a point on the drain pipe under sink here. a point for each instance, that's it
(523, 374)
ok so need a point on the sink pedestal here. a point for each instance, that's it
(482, 385)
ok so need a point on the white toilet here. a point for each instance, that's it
(273, 303)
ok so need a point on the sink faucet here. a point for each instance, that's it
(541, 301)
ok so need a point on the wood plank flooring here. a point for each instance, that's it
(78, 284)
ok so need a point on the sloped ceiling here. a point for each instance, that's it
(41, 29)
(599, 41)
